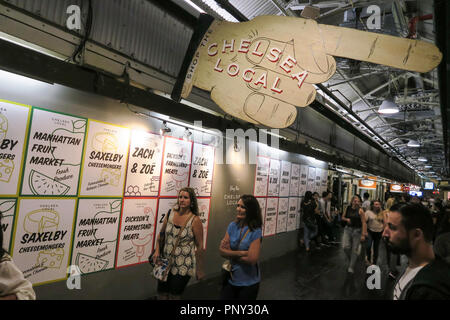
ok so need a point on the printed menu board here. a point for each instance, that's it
(261, 177)
(105, 160)
(202, 170)
(283, 207)
(262, 205)
(270, 219)
(303, 180)
(137, 228)
(176, 164)
(144, 164)
(96, 232)
(8, 211)
(311, 179)
(42, 238)
(295, 179)
(285, 178)
(292, 214)
(164, 206)
(13, 128)
(203, 214)
(54, 154)
(274, 178)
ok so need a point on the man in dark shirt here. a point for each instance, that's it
(409, 231)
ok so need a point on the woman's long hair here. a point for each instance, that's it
(308, 196)
(192, 197)
(380, 214)
(253, 217)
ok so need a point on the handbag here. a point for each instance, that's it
(163, 265)
(227, 266)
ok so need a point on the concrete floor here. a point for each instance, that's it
(319, 275)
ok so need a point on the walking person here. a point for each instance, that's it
(242, 245)
(325, 217)
(355, 233)
(309, 213)
(183, 246)
(366, 204)
(427, 276)
(375, 228)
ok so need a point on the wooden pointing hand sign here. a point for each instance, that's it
(261, 70)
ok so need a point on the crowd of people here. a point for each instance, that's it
(401, 227)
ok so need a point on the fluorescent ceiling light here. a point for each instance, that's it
(413, 144)
(221, 12)
(422, 159)
(193, 5)
(388, 107)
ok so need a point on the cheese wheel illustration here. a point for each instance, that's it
(6, 169)
(51, 258)
(3, 126)
(105, 142)
(41, 220)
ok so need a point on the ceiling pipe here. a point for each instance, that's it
(351, 112)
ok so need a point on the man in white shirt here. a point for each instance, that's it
(409, 231)
(366, 204)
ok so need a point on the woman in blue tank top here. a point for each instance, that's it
(242, 245)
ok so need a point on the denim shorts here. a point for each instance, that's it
(174, 285)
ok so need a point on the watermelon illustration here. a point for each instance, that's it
(88, 264)
(40, 184)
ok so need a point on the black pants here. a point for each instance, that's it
(230, 292)
(374, 238)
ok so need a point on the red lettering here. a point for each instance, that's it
(209, 49)
(288, 62)
(244, 46)
(228, 46)
(274, 54)
(262, 80)
(301, 76)
(236, 71)
(255, 52)
(244, 75)
(275, 86)
(217, 68)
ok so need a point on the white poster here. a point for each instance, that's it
(203, 214)
(262, 205)
(176, 164)
(318, 181)
(164, 206)
(285, 178)
(54, 154)
(144, 164)
(42, 238)
(261, 177)
(295, 179)
(7, 210)
(274, 178)
(96, 233)
(303, 180)
(202, 170)
(105, 160)
(13, 129)
(292, 214)
(299, 212)
(324, 180)
(137, 228)
(311, 179)
(283, 207)
(270, 219)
